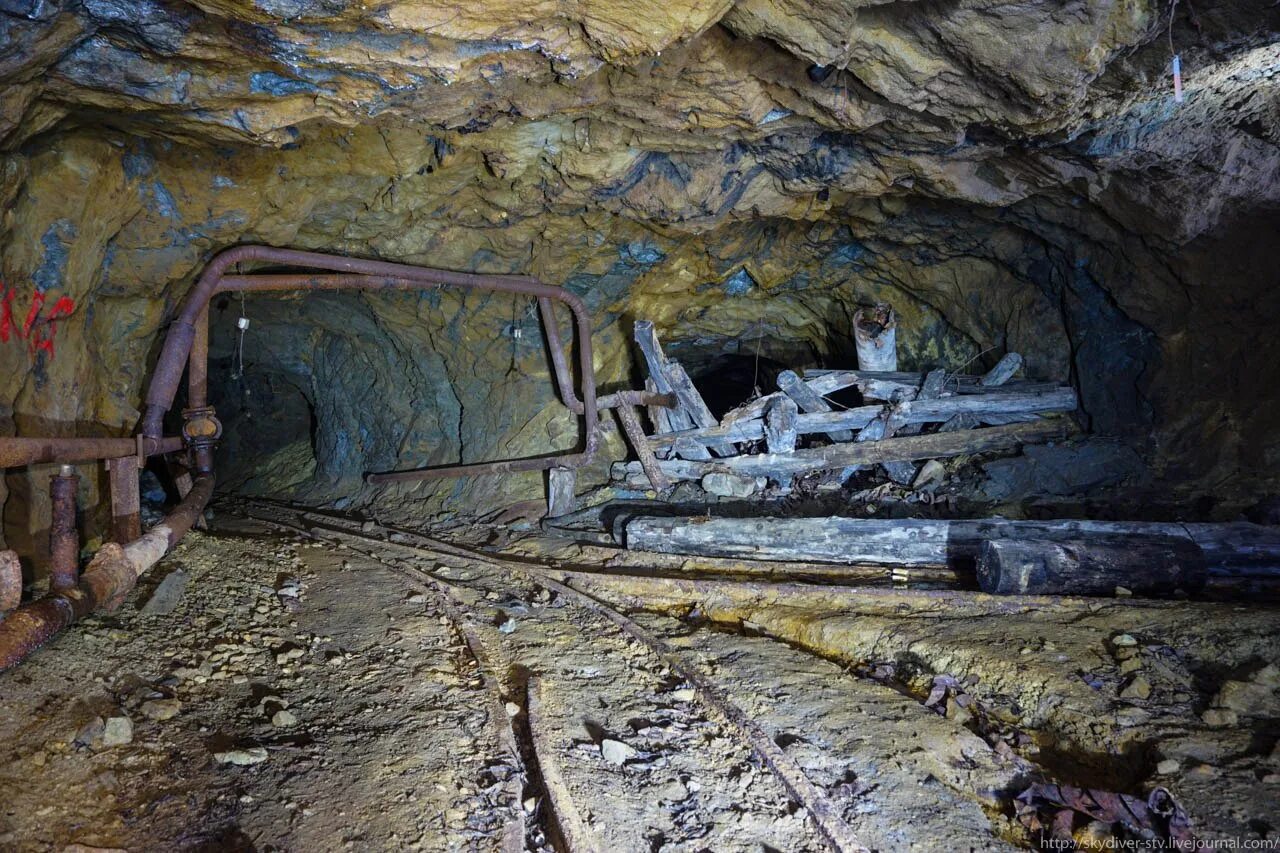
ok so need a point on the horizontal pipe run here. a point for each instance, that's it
(478, 469)
(618, 399)
(283, 282)
(177, 345)
(105, 583)
(19, 452)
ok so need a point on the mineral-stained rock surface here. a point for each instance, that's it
(1009, 175)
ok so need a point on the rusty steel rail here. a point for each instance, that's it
(188, 342)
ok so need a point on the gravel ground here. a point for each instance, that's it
(264, 692)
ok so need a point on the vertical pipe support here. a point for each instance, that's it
(126, 500)
(64, 540)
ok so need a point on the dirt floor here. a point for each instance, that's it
(262, 690)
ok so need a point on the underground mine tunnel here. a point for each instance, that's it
(596, 426)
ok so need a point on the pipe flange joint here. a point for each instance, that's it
(201, 427)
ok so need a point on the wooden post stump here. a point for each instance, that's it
(560, 487)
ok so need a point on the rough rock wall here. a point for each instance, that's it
(1012, 176)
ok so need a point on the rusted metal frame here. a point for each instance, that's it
(110, 575)
(365, 274)
(185, 342)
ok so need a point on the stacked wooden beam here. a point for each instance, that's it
(1080, 557)
(967, 414)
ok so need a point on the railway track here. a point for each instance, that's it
(566, 824)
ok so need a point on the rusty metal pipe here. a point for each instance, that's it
(177, 345)
(19, 452)
(619, 399)
(563, 379)
(185, 344)
(110, 576)
(64, 539)
(126, 502)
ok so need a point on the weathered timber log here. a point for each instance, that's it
(646, 339)
(1086, 567)
(904, 473)
(670, 377)
(777, 465)
(750, 410)
(879, 385)
(1232, 549)
(875, 337)
(1009, 364)
(659, 416)
(975, 407)
(691, 401)
(780, 426)
(882, 426)
(561, 484)
(795, 388)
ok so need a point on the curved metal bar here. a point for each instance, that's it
(187, 340)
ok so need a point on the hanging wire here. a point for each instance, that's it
(242, 324)
(1176, 59)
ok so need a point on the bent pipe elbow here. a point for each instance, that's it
(182, 333)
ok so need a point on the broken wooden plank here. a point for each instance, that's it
(750, 410)
(1009, 364)
(808, 400)
(670, 378)
(921, 412)
(886, 385)
(693, 404)
(1230, 549)
(780, 426)
(904, 473)
(776, 465)
(1090, 567)
(676, 419)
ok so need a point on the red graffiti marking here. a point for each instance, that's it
(39, 332)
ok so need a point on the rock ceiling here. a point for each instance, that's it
(1010, 174)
